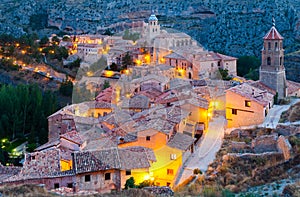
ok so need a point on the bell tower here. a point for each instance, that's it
(272, 71)
(153, 26)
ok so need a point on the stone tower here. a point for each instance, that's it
(272, 71)
(153, 27)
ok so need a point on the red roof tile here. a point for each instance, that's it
(273, 34)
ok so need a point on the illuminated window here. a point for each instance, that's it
(107, 176)
(87, 178)
(128, 172)
(173, 156)
(170, 171)
(234, 111)
(148, 138)
(247, 104)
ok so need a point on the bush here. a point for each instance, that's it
(197, 171)
(130, 183)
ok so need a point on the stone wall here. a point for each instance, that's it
(284, 146)
(265, 143)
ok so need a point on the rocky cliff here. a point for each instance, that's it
(229, 26)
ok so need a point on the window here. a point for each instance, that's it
(172, 156)
(148, 138)
(276, 46)
(268, 61)
(87, 178)
(234, 111)
(70, 185)
(170, 171)
(247, 103)
(212, 65)
(107, 176)
(128, 172)
(32, 157)
(269, 45)
(280, 61)
(56, 185)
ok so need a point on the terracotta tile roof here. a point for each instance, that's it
(160, 78)
(136, 102)
(99, 144)
(180, 84)
(224, 57)
(197, 83)
(66, 113)
(136, 157)
(113, 158)
(121, 135)
(292, 86)
(72, 136)
(151, 93)
(105, 95)
(48, 145)
(167, 97)
(273, 34)
(262, 86)
(95, 105)
(8, 171)
(88, 162)
(181, 141)
(253, 93)
(174, 56)
(38, 165)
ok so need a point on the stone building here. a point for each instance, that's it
(272, 71)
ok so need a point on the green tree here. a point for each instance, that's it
(106, 84)
(44, 41)
(24, 110)
(126, 61)
(108, 32)
(114, 67)
(74, 64)
(246, 63)
(224, 74)
(66, 88)
(55, 40)
(130, 183)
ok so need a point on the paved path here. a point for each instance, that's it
(274, 114)
(206, 150)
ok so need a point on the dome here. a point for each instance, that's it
(153, 18)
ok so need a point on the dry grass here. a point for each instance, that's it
(38, 191)
(25, 191)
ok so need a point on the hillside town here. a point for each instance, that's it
(157, 114)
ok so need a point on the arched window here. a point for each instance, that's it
(268, 61)
(280, 61)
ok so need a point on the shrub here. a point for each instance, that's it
(197, 171)
(130, 183)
